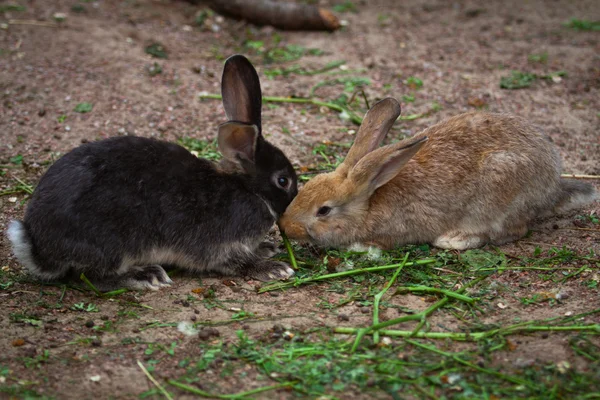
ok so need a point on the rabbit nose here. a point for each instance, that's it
(293, 230)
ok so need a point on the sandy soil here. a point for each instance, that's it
(460, 50)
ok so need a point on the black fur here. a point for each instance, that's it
(106, 205)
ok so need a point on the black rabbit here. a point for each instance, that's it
(120, 208)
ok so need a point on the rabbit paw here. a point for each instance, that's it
(270, 270)
(266, 250)
(459, 241)
(151, 277)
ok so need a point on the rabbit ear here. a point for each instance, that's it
(380, 166)
(376, 124)
(237, 141)
(241, 92)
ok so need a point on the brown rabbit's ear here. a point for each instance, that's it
(376, 124)
(237, 141)
(380, 166)
(240, 87)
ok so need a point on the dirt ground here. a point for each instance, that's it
(458, 50)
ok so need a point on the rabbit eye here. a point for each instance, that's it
(323, 211)
(283, 182)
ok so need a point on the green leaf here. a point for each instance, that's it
(517, 80)
(18, 159)
(84, 107)
(477, 259)
(156, 50)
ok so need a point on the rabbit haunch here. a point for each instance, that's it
(119, 209)
(469, 180)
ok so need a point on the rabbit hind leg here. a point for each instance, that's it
(137, 277)
(509, 234)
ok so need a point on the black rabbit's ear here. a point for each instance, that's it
(237, 141)
(241, 92)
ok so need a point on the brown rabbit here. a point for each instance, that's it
(469, 180)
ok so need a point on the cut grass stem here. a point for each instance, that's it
(421, 316)
(90, 284)
(99, 293)
(298, 282)
(456, 358)
(427, 289)
(466, 337)
(290, 250)
(379, 295)
(154, 381)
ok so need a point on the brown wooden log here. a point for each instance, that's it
(280, 14)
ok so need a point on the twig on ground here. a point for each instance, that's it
(298, 282)
(580, 229)
(575, 176)
(32, 22)
(158, 385)
(240, 395)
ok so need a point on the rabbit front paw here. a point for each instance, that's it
(151, 277)
(266, 250)
(456, 240)
(270, 270)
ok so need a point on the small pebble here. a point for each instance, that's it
(89, 324)
(196, 311)
(273, 294)
(343, 317)
(96, 343)
(193, 317)
(185, 303)
(545, 335)
(204, 334)
(365, 310)
(278, 328)
(104, 317)
(562, 296)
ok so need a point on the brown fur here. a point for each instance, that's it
(479, 177)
